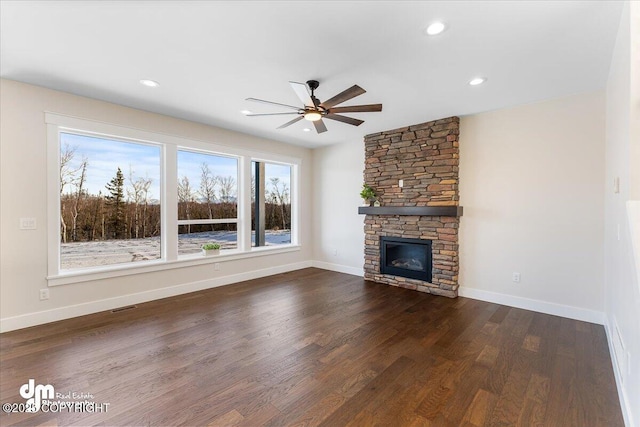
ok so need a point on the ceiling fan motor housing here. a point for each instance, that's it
(313, 84)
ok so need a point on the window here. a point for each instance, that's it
(109, 201)
(271, 204)
(207, 201)
(122, 201)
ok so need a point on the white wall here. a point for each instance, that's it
(634, 60)
(622, 292)
(338, 230)
(531, 186)
(23, 254)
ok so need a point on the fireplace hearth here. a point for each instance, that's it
(410, 258)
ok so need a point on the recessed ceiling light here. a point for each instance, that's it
(477, 81)
(306, 130)
(245, 112)
(435, 28)
(149, 83)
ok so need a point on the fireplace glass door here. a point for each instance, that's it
(410, 258)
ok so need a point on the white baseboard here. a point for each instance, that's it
(48, 316)
(567, 311)
(622, 396)
(338, 267)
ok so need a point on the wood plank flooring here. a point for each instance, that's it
(314, 347)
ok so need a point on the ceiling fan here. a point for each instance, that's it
(314, 110)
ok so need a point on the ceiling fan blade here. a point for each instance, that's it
(290, 122)
(343, 96)
(272, 114)
(344, 119)
(303, 93)
(357, 108)
(320, 127)
(272, 103)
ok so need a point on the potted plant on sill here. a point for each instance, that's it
(367, 194)
(209, 249)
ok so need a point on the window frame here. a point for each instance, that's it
(169, 147)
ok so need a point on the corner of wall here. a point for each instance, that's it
(622, 288)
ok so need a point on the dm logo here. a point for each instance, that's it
(35, 394)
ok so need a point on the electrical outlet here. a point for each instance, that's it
(516, 277)
(27, 223)
(44, 294)
(335, 252)
(216, 266)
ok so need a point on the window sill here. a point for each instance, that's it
(79, 276)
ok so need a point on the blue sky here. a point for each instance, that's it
(106, 155)
(190, 165)
(283, 172)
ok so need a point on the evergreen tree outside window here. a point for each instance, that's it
(115, 202)
(125, 201)
(109, 202)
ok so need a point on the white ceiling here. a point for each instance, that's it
(210, 56)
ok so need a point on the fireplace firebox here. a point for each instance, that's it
(410, 258)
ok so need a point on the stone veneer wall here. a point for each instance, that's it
(426, 157)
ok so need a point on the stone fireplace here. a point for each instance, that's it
(414, 172)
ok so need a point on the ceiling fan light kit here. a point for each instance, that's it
(314, 110)
(312, 116)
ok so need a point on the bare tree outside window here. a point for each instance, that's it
(134, 193)
(208, 188)
(105, 217)
(110, 209)
(276, 205)
(79, 196)
(67, 178)
(186, 198)
(213, 208)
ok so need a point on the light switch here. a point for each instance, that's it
(616, 185)
(401, 183)
(27, 223)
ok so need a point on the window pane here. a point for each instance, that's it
(207, 186)
(275, 205)
(192, 237)
(109, 202)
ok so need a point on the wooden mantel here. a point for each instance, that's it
(411, 210)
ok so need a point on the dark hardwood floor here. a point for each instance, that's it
(314, 347)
